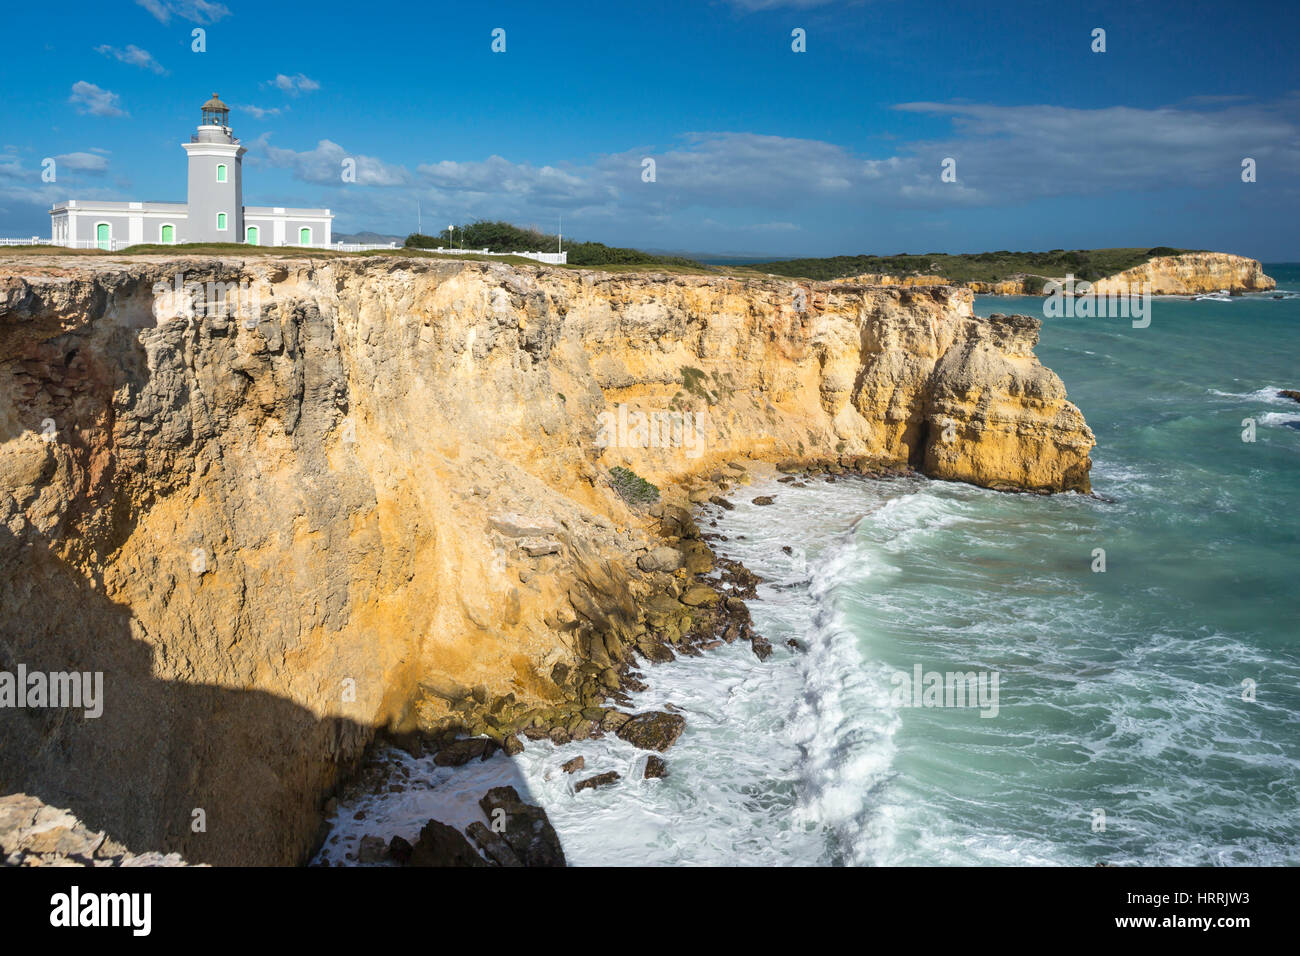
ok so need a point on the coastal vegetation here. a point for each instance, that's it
(500, 236)
(1089, 264)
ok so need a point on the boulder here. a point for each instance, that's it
(614, 719)
(372, 849)
(660, 559)
(527, 829)
(600, 780)
(400, 849)
(655, 768)
(699, 594)
(765, 500)
(574, 765)
(460, 752)
(441, 845)
(653, 730)
(493, 844)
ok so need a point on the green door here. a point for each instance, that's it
(250, 236)
(101, 235)
(304, 236)
(168, 235)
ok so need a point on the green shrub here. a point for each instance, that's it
(631, 487)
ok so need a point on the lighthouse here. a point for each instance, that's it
(216, 194)
(214, 209)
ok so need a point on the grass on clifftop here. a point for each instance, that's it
(1089, 264)
(179, 250)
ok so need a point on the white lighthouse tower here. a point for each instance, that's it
(216, 193)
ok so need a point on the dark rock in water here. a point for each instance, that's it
(527, 828)
(512, 746)
(372, 849)
(795, 644)
(493, 844)
(655, 652)
(765, 499)
(600, 780)
(411, 743)
(460, 752)
(1290, 393)
(787, 549)
(762, 649)
(654, 730)
(399, 848)
(722, 503)
(655, 767)
(574, 765)
(441, 845)
(560, 736)
(614, 719)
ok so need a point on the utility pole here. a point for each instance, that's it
(419, 222)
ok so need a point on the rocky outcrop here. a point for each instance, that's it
(381, 499)
(33, 834)
(1189, 273)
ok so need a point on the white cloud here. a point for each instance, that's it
(89, 98)
(751, 6)
(132, 55)
(258, 112)
(293, 85)
(196, 11)
(84, 162)
(1017, 152)
(324, 165)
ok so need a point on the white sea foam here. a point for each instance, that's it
(802, 760)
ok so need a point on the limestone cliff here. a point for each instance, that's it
(379, 498)
(1188, 274)
(1191, 274)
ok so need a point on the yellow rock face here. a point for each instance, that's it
(1191, 274)
(381, 497)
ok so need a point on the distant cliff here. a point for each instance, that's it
(1190, 273)
(381, 499)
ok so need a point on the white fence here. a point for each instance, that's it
(116, 245)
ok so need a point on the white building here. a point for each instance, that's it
(214, 210)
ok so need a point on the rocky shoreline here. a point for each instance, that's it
(699, 605)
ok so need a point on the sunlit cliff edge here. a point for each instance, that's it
(1191, 273)
(382, 500)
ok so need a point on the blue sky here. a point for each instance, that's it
(758, 149)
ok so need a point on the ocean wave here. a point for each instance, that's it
(1269, 393)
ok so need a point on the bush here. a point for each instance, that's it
(631, 487)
